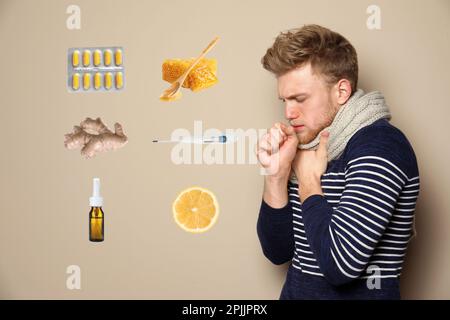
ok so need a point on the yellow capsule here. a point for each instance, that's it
(75, 81)
(97, 81)
(118, 57)
(119, 80)
(76, 58)
(86, 81)
(107, 57)
(97, 57)
(108, 80)
(86, 58)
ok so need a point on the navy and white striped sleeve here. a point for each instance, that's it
(343, 239)
(275, 232)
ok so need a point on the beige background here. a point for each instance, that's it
(45, 188)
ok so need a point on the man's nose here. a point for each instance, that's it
(290, 112)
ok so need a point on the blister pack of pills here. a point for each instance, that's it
(95, 69)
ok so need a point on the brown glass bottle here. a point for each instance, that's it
(96, 224)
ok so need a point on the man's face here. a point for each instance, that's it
(309, 104)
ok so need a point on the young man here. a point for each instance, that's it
(340, 197)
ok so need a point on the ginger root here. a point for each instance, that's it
(93, 136)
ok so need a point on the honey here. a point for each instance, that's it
(201, 77)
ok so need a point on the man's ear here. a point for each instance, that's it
(343, 91)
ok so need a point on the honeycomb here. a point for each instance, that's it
(201, 77)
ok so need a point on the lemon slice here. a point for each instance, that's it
(195, 209)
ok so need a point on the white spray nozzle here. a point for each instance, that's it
(96, 200)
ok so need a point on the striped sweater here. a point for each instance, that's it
(359, 228)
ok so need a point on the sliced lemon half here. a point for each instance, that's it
(195, 209)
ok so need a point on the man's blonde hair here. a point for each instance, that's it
(330, 54)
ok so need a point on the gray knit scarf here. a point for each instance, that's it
(359, 111)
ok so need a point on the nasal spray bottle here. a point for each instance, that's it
(96, 215)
